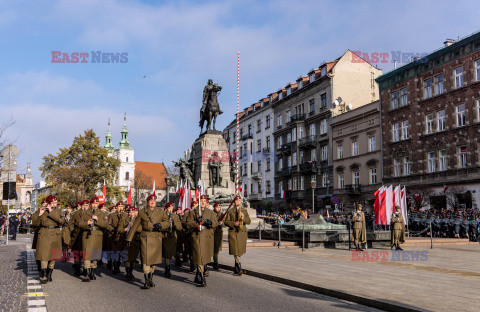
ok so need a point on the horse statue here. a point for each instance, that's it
(210, 108)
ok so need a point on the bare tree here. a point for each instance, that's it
(172, 170)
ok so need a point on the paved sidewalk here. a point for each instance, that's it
(448, 279)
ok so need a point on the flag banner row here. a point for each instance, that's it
(386, 199)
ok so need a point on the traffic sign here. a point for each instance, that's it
(335, 200)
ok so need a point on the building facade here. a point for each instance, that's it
(357, 156)
(256, 155)
(431, 124)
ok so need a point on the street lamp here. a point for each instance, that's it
(327, 183)
(313, 184)
(168, 182)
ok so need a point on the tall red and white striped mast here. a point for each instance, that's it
(238, 122)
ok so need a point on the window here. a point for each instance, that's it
(340, 151)
(280, 187)
(279, 120)
(313, 155)
(477, 70)
(459, 77)
(289, 184)
(280, 95)
(127, 175)
(288, 116)
(439, 84)
(259, 166)
(371, 144)
(241, 170)
(300, 84)
(441, 120)
(405, 130)
(356, 178)
(267, 145)
(478, 110)
(429, 123)
(268, 165)
(259, 125)
(442, 160)
(354, 148)
(462, 157)
(268, 187)
(324, 180)
(300, 132)
(289, 90)
(396, 132)
(259, 145)
(289, 161)
(406, 166)
(294, 159)
(323, 100)
(267, 122)
(259, 187)
(312, 106)
(341, 180)
(324, 70)
(461, 115)
(431, 162)
(251, 169)
(289, 137)
(234, 136)
(295, 184)
(251, 148)
(294, 134)
(249, 130)
(301, 160)
(312, 129)
(323, 126)
(280, 164)
(312, 77)
(403, 98)
(428, 88)
(324, 152)
(394, 99)
(373, 176)
(279, 142)
(397, 168)
(302, 183)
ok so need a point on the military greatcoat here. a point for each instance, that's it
(237, 236)
(202, 238)
(170, 237)
(49, 241)
(92, 235)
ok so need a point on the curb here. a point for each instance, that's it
(372, 303)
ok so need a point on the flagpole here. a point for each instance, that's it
(238, 120)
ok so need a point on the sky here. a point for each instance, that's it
(173, 48)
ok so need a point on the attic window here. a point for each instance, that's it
(270, 98)
(280, 95)
(324, 71)
(312, 77)
(300, 84)
(289, 90)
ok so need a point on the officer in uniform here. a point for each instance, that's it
(188, 237)
(108, 239)
(153, 221)
(93, 222)
(169, 242)
(359, 228)
(236, 220)
(118, 220)
(134, 247)
(217, 235)
(181, 236)
(36, 229)
(202, 221)
(397, 226)
(75, 245)
(49, 241)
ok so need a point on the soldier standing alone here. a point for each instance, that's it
(236, 220)
(397, 226)
(359, 228)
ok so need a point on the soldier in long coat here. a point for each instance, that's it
(36, 227)
(188, 236)
(108, 239)
(359, 228)
(169, 242)
(118, 220)
(134, 247)
(181, 236)
(236, 219)
(153, 221)
(202, 221)
(93, 223)
(217, 235)
(49, 241)
(75, 245)
(397, 226)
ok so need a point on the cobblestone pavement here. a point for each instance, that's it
(13, 278)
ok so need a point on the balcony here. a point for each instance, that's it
(266, 150)
(298, 117)
(310, 141)
(257, 176)
(247, 136)
(353, 189)
(256, 196)
(308, 167)
(286, 171)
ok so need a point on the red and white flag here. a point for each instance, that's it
(389, 203)
(153, 190)
(129, 199)
(282, 194)
(101, 198)
(403, 205)
(445, 189)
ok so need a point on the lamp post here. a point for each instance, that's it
(313, 184)
(168, 181)
(327, 183)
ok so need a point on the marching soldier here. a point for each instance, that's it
(76, 237)
(93, 222)
(49, 241)
(67, 213)
(359, 228)
(118, 220)
(397, 226)
(236, 220)
(152, 220)
(202, 221)
(181, 236)
(169, 242)
(134, 247)
(217, 235)
(37, 228)
(188, 236)
(108, 239)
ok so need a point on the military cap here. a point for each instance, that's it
(151, 196)
(94, 200)
(50, 199)
(169, 204)
(120, 203)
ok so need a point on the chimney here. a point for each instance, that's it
(449, 42)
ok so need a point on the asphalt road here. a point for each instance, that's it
(224, 292)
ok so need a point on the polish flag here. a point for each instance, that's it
(383, 206)
(445, 189)
(403, 205)
(379, 206)
(101, 198)
(282, 194)
(389, 204)
(153, 190)
(397, 197)
(129, 199)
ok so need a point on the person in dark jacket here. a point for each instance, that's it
(13, 223)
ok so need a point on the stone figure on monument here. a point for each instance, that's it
(210, 107)
(233, 169)
(185, 171)
(215, 170)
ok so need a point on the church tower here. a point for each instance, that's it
(126, 156)
(108, 140)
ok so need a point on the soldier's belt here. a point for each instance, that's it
(51, 227)
(95, 229)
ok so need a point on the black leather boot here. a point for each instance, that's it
(49, 274)
(178, 262)
(167, 273)
(150, 278)
(146, 285)
(39, 266)
(109, 264)
(203, 280)
(215, 264)
(129, 274)
(92, 274)
(192, 266)
(197, 277)
(44, 279)
(42, 273)
(86, 277)
(205, 270)
(240, 271)
(116, 267)
(398, 247)
(235, 271)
